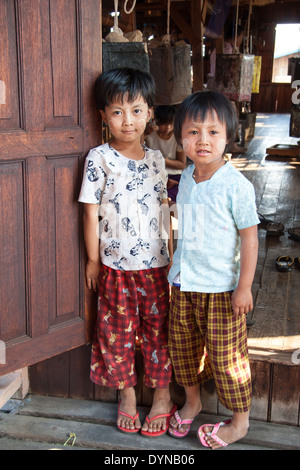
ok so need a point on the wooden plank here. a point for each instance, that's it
(58, 375)
(41, 347)
(80, 383)
(9, 384)
(287, 150)
(285, 394)
(268, 331)
(261, 375)
(276, 326)
(54, 142)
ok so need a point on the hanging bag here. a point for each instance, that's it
(170, 66)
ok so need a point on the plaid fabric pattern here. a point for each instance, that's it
(207, 341)
(131, 304)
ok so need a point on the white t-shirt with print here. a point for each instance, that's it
(133, 228)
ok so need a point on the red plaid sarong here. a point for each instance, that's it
(131, 304)
(207, 341)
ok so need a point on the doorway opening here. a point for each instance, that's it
(287, 45)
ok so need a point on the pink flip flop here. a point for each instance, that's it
(213, 434)
(174, 432)
(133, 418)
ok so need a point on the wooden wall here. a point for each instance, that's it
(275, 389)
(272, 97)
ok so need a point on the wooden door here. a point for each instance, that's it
(49, 58)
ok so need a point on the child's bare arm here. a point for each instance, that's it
(242, 301)
(90, 223)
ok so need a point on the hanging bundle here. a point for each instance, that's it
(234, 75)
(124, 50)
(170, 66)
(234, 72)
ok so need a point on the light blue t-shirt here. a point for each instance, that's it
(209, 217)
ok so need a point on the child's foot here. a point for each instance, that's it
(127, 406)
(188, 411)
(162, 405)
(228, 434)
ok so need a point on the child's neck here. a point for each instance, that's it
(165, 136)
(205, 172)
(131, 150)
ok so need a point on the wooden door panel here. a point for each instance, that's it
(65, 281)
(62, 63)
(29, 23)
(9, 112)
(51, 59)
(54, 142)
(12, 253)
(38, 239)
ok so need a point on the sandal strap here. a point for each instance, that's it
(182, 421)
(163, 415)
(133, 418)
(216, 429)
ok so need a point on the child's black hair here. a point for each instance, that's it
(197, 105)
(124, 82)
(164, 114)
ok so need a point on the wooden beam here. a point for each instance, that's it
(198, 15)
(183, 25)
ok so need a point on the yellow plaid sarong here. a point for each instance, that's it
(207, 341)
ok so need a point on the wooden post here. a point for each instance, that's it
(198, 14)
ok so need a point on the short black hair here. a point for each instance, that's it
(197, 105)
(164, 114)
(114, 84)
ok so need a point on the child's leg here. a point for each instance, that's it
(186, 343)
(128, 406)
(232, 432)
(113, 351)
(186, 340)
(190, 409)
(226, 345)
(162, 404)
(227, 348)
(153, 291)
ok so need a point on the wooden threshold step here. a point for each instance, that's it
(51, 420)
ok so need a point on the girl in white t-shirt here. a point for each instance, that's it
(163, 139)
(126, 186)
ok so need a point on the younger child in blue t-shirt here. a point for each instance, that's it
(213, 270)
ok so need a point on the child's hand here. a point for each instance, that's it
(242, 301)
(92, 272)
